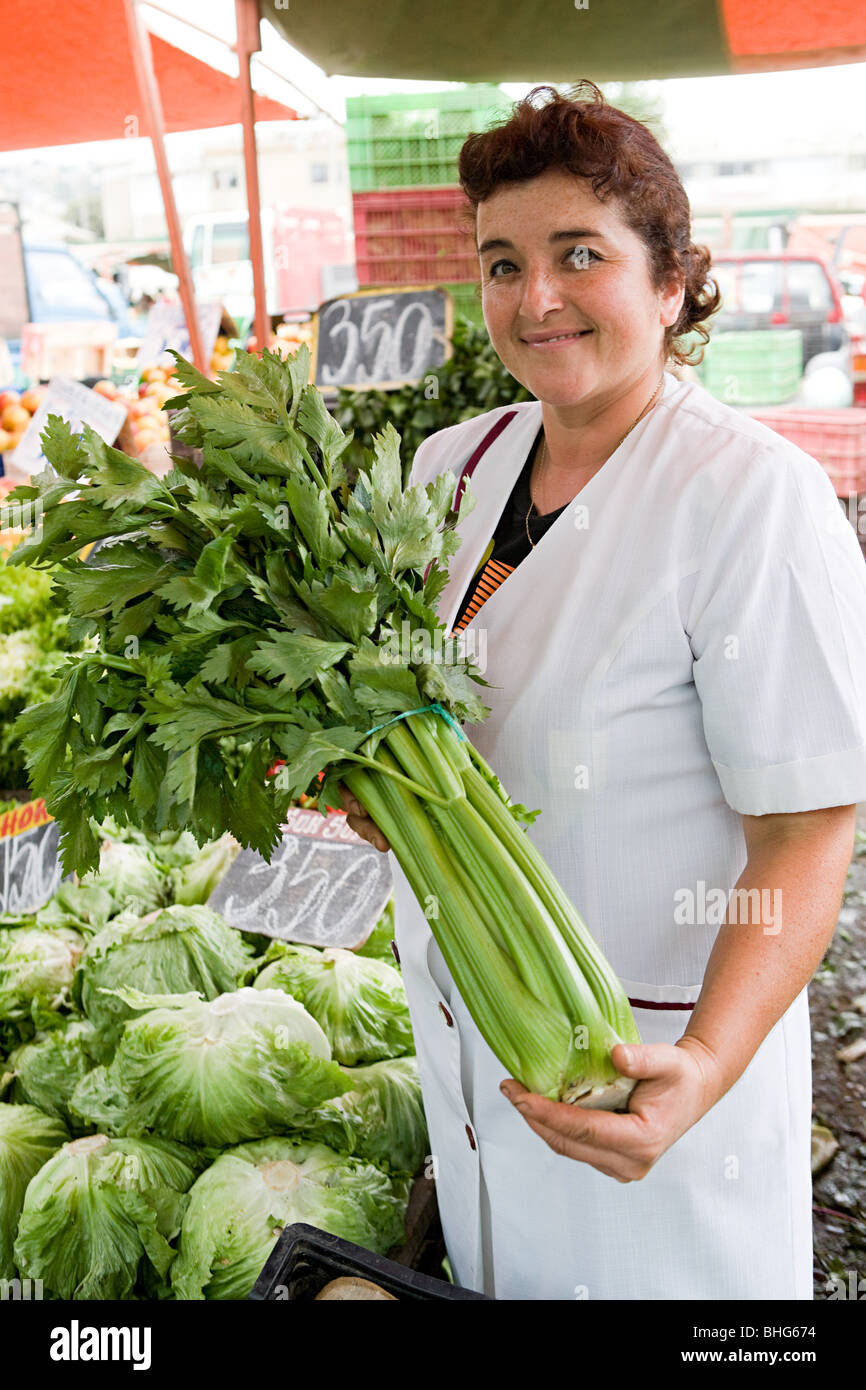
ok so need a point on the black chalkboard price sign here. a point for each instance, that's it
(30, 871)
(324, 886)
(382, 338)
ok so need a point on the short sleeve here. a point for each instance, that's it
(777, 625)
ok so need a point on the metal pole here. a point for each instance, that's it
(249, 41)
(232, 48)
(148, 92)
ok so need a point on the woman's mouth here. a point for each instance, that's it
(557, 340)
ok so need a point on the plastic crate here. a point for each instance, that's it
(763, 367)
(305, 1259)
(414, 235)
(400, 140)
(836, 438)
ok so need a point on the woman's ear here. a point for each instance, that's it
(671, 300)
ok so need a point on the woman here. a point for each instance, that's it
(675, 622)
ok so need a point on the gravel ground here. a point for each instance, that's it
(839, 1092)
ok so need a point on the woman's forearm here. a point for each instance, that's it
(770, 946)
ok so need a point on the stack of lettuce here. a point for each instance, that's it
(171, 1100)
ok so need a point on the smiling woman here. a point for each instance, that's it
(675, 628)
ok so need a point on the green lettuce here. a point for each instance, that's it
(360, 1003)
(172, 951)
(240, 1205)
(245, 1065)
(37, 969)
(98, 1208)
(84, 907)
(131, 875)
(381, 1119)
(379, 944)
(193, 880)
(27, 1140)
(46, 1070)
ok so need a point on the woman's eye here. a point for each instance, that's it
(582, 256)
(579, 257)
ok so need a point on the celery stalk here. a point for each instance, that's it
(537, 986)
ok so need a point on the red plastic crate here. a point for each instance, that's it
(836, 438)
(407, 236)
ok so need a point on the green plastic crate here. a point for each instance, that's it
(401, 140)
(763, 367)
(466, 301)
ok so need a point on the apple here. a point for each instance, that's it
(5, 441)
(8, 398)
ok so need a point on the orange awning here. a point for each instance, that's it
(68, 77)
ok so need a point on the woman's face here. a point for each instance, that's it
(567, 294)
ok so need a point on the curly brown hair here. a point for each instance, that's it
(622, 159)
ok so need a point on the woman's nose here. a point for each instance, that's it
(541, 294)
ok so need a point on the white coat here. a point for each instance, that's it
(686, 643)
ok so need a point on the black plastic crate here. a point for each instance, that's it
(305, 1259)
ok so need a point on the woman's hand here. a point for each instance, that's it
(360, 822)
(676, 1086)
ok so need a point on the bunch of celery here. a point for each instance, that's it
(262, 602)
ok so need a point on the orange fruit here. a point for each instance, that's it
(32, 399)
(15, 417)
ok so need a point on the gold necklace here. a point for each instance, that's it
(544, 454)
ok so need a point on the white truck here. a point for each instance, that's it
(308, 258)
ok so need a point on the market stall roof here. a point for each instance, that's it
(68, 77)
(606, 40)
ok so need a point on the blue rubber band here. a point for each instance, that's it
(449, 719)
(422, 709)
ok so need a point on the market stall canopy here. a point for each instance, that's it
(558, 40)
(68, 77)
